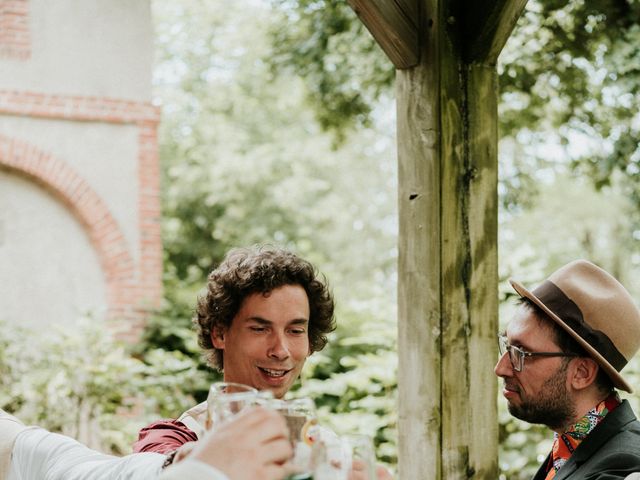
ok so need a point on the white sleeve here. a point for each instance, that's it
(42, 455)
(193, 470)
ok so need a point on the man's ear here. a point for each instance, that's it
(217, 337)
(584, 372)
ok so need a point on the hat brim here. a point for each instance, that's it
(613, 374)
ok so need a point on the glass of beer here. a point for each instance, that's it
(300, 415)
(226, 399)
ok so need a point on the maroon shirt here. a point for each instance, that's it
(163, 436)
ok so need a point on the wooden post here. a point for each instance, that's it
(447, 279)
(446, 52)
(419, 268)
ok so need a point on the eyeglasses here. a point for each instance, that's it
(517, 355)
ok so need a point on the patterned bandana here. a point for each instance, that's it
(564, 445)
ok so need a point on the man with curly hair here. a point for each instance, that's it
(265, 311)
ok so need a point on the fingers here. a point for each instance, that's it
(252, 443)
(359, 465)
(267, 423)
(358, 475)
(276, 472)
(382, 473)
(359, 471)
(277, 451)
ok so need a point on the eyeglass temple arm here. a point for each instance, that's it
(550, 354)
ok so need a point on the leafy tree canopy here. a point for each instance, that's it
(344, 70)
(569, 75)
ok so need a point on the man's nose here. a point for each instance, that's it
(278, 348)
(503, 368)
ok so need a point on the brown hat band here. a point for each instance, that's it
(555, 299)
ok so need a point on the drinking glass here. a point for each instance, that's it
(363, 457)
(300, 415)
(226, 399)
(331, 457)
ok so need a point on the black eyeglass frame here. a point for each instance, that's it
(517, 355)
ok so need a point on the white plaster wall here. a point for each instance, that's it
(49, 272)
(98, 48)
(105, 155)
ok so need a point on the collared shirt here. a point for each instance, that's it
(164, 436)
(565, 444)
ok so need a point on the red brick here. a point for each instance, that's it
(131, 289)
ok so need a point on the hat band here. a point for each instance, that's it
(556, 301)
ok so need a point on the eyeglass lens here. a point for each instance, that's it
(516, 356)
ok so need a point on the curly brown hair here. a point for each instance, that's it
(260, 269)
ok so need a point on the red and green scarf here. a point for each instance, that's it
(564, 445)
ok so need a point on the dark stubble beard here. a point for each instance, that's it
(552, 407)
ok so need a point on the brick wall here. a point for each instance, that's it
(132, 290)
(15, 37)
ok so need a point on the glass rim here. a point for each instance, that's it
(242, 388)
(217, 390)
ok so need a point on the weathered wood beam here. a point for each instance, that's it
(393, 24)
(469, 263)
(447, 269)
(486, 27)
(419, 293)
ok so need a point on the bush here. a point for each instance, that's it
(80, 381)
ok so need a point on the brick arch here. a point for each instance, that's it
(57, 177)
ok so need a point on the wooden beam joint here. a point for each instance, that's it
(394, 25)
(486, 27)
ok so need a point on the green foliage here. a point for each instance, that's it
(562, 63)
(570, 78)
(354, 383)
(79, 381)
(343, 68)
(170, 340)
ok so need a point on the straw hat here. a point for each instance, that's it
(595, 309)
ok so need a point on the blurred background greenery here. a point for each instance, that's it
(278, 127)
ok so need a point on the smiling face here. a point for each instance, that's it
(268, 341)
(539, 393)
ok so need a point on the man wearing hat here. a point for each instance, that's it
(561, 357)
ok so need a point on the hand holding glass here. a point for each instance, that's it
(300, 415)
(227, 399)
